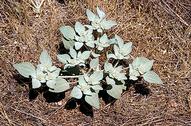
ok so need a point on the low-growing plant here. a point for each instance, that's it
(98, 58)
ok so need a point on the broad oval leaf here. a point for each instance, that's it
(139, 61)
(92, 100)
(94, 63)
(152, 77)
(35, 83)
(76, 93)
(45, 58)
(146, 66)
(85, 55)
(100, 13)
(61, 85)
(79, 28)
(68, 43)
(107, 24)
(133, 73)
(73, 53)
(63, 58)
(127, 48)
(120, 41)
(116, 90)
(90, 44)
(96, 77)
(26, 69)
(78, 45)
(97, 87)
(68, 32)
(91, 16)
(104, 39)
(108, 66)
(51, 83)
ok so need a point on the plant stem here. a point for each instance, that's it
(70, 76)
(116, 63)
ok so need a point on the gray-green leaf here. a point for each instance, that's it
(68, 32)
(107, 24)
(45, 58)
(76, 93)
(26, 69)
(68, 43)
(100, 13)
(61, 85)
(152, 77)
(79, 28)
(35, 83)
(94, 63)
(93, 100)
(146, 66)
(116, 90)
(91, 16)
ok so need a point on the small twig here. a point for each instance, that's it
(29, 114)
(3, 112)
(181, 19)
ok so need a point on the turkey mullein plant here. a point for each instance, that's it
(86, 44)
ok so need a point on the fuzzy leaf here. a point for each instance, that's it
(79, 28)
(97, 87)
(26, 69)
(63, 58)
(78, 45)
(146, 66)
(152, 77)
(61, 85)
(68, 32)
(73, 53)
(96, 77)
(76, 93)
(51, 83)
(85, 55)
(91, 16)
(35, 83)
(90, 44)
(116, 90)
(94, 63)
(120, 41)
(107, 24)
(68, 44)
(104, 38)
(139, 61)
(100, 13)
(92, 100)
(127, 48)
(133, 73)
(45, 58)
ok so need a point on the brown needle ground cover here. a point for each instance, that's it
(159, 30)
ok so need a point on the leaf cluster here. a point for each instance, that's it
(86, 45)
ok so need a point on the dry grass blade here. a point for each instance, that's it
(37, 4)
